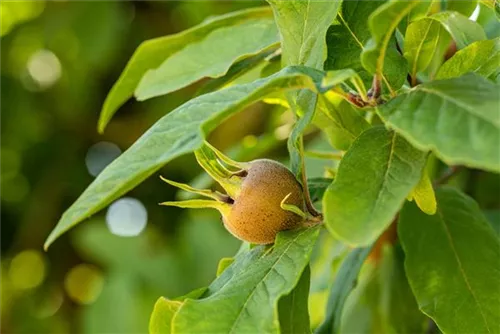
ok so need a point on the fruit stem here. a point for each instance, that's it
(307, 197)
(313, 221)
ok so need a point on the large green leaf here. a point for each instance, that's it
(152, 53)
(236, 71)
(244, 299)
(416, 13)
(346, 38)
(456, 118)
(293, 308)
(340, 122)
(345, 281)
(421, 41)
(482, 57)
(452, 263)
(399, 309)
(303, 25)
(379, 57)
(209, 57)
(179, 132)
(493, 217)
(463, 7)
(463, 30)
(382, 301)
(374, 178)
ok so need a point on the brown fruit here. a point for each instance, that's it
(256, 215)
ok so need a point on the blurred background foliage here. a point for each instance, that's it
(59, 60)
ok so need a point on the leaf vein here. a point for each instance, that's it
(273, 267)
(461, 268)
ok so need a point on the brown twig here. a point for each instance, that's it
(375, 91)
(389, 236)
(448, 174)
(356, 100)
(413, 80)
(452, 49)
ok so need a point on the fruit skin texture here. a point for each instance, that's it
(256, 215)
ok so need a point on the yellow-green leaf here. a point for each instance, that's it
(424, 196)
(152, 53)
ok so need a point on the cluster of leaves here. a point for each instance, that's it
(424, 102)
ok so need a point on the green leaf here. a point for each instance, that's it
(341, 123)
(462, 30)
(489, 18)
(293, 308)
(493, 217)
(165, 309)
(383, 302)
(482, 57)
(418, 12)
(303, 25)
(396, 302)
(244, 299)
(179, 132)
(152, 53)
(374, 177)
(378, 57)
(333, 78)
(346, 38)
(452, 263)
(456, 118)
(345, 281)
(305, 105)
(161, 318)
(223, 264)
(317, 187)
(209, 57)
(235, 72)
(421, 41)
(488, 3)
(465, 8)
(327, 257)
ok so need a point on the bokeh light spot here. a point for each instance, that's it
(44, 68)
(27, 270)
(127, 217)
(100, 155)
(83, 283)
(282, 132)
(249, 141)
